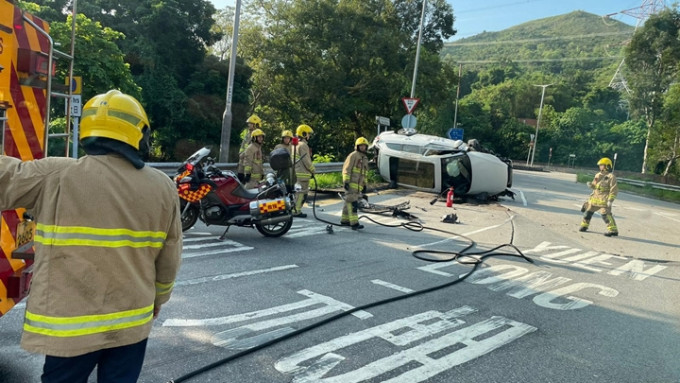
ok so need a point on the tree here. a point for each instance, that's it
(336, 64)
(653, 59)
(668, 144)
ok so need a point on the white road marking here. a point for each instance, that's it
(221, 251)
(227, 246)
(392, 286)
(415, 364)
(466, 234)
(215, 278)
(313, 299)
(667, 215)
(524, 200)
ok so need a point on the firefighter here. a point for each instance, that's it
(601, 199)
(304, 168)
(286, 144)
(107, 243)
(286, 138)
(254, 122)
(252, 160)
(354, 179)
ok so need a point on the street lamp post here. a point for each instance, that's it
(420, 38)
(540, 110)
(227, 117)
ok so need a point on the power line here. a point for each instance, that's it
(541, 60)
(569, 37)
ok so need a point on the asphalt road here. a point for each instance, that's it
(588, 309)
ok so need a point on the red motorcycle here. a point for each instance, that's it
(217, 197)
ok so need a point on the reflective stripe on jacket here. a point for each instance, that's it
(354, 172)
(252, 161)
(304, 168)
(108, 242)
(604, 188)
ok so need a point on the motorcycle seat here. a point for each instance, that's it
(242, 192)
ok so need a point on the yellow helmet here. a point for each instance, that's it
(304, 130)
(254, 120)
(605, 161)
(287, 133)
(361, 141)
(256, 132)
(114, 115)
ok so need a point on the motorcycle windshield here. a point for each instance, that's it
(198, 156)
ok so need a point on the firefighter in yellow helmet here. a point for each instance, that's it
(254, 122)
(304, 168)
(286, 144)
(601, 199)
(252, 160)
(354, 179)
(107, 245)
(286, 138)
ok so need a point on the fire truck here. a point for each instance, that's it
(27, 69)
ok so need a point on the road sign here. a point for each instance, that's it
(382, 120)
(76, 106)
(455, 133)
(410, 104)
(76, 84)
(408, 121)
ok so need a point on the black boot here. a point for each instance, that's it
(357, 226)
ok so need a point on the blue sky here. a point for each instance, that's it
(476, 16)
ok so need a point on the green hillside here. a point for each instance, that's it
(576, 40)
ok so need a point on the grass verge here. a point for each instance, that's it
(334, 180)
(647, 191)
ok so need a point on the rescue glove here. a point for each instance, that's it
(247, 178)
(347, 186)
(363, 190)
(610, 203)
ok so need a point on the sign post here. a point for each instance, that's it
(76, 112)
(410, 103)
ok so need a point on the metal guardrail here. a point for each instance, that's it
(170, 168)
(646, 183)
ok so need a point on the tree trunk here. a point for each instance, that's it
(649, 118)
(674, 153)
(644, 155)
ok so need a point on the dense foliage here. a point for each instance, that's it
(337, 64)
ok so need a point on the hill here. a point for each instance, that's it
(577, 39)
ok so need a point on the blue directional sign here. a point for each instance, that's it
(455, 133)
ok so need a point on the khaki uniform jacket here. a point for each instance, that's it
(604, 188)
(107, 249)
(252, 161)
(302, 157)
(354, 172)
(242, 150)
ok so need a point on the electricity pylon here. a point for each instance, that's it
(641, 13)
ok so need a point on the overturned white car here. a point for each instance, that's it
(434, 164)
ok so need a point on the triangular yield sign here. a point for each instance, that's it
(410, 104)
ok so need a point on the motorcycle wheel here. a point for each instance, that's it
(275, 230)
(189, 217)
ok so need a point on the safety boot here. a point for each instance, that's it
(344, 223)
(357, 226)
(300, 215)
(611, 234)
(583, 228)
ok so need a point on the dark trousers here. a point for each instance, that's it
(114, 365)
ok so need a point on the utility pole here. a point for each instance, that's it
(540, 110)
(227, 117)
(415, 65)
(420, 37)
(455, 113)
